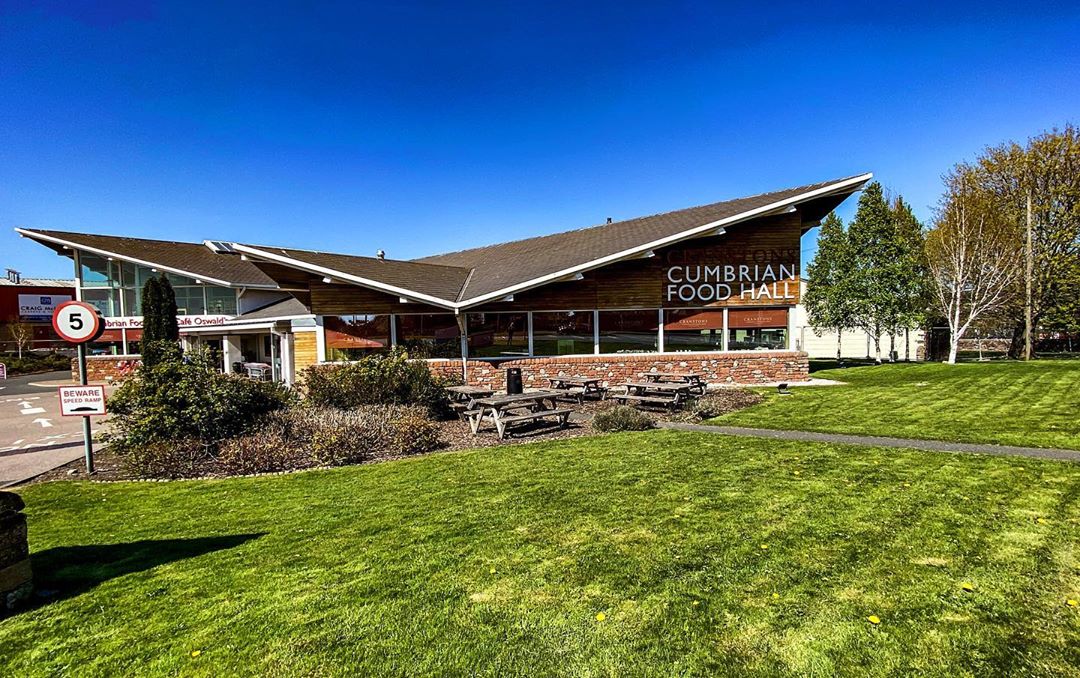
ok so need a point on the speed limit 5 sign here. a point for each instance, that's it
(77, 322)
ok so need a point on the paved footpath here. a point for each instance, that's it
(34, 438)
(877, 441)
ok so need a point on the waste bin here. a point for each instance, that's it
(513, 380)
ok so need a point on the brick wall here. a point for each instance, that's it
(719, 368)
(106, 369)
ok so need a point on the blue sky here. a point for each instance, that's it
(423, 127)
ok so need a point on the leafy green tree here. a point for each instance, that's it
(1046, 169)
(828, 299)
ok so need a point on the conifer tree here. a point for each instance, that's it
(827, 297)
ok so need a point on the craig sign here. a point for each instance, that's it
(704, 283)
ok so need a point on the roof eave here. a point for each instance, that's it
(848, 185)
(34, 235)
(344, 277)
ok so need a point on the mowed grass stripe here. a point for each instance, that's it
(1009, 403)
(388, 568)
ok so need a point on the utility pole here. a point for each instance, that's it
(1028, 266)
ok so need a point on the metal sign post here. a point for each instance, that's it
(80, 323)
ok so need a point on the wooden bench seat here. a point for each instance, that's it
(659, 400)
(502, 422)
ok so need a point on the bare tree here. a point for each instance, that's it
(973, 254)
(21, 333)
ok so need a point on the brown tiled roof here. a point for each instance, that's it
(501, 266)
(194, 259)
(439, 281)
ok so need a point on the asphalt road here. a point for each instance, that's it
(34, 438)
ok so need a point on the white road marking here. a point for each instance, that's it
(45, 423)
(20, 400)
(32, 410)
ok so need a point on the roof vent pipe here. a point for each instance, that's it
(380, 255)
(609, 220)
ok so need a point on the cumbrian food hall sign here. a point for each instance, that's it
(707, 283)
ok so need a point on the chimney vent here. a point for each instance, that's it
(14, 276)
(380, 255)
(609, 220)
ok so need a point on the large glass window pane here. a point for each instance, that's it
(98, 271)
(429, 335)
(563, 333)
(498, 335)
(106, 301)
(693, 330)
(758, 329)
(189, 301)
(221, 300)
(629, 331)
(179, 279)
(132, 301)
(351, 337)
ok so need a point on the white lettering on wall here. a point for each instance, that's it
(708, 283)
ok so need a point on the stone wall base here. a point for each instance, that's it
(719, 368)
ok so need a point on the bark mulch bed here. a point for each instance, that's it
(455, 435)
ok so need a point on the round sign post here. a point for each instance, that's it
(79, 323)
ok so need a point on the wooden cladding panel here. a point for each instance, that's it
(335, 299)
(306, 350)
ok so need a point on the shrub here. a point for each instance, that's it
(718, 402)
(413, 431)
(262, 452)
(303, 437)
(386, 379)
(182, 458)
(622, 418)
(187, 399)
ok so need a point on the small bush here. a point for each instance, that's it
(385, 379)
(622, 418)
(188, 399)
(182, 458)
(304, 437)
(413, 431)
(718, 402)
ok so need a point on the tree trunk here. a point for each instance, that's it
(954, 342)
(877, 345)
(892, 347)
(907, 345)
(839, 344)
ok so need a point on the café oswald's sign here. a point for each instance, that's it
(768, 276)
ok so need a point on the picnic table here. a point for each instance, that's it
(578, 386)
(462, 397)
(657, 393)
(506, 410)
(696, 379)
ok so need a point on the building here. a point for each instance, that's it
(26, 307)
(820, 343)
(713, 288)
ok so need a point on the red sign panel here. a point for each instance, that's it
(758, 317)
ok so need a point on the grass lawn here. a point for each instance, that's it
(1035, 404)
(703, 554)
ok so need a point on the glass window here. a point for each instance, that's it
(629, 331)
(351, 337)
(429, 335)
(180, 279)
(189, 301)
(563, 333)
(694, 330)
(97, 271)
(220, 300)
(758, 329)
(132, 302)
(498, 334)
(106, 301)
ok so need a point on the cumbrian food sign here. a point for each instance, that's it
(736, 273)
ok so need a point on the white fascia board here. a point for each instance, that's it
(688, 234)
(342, 276)
(123, 257)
